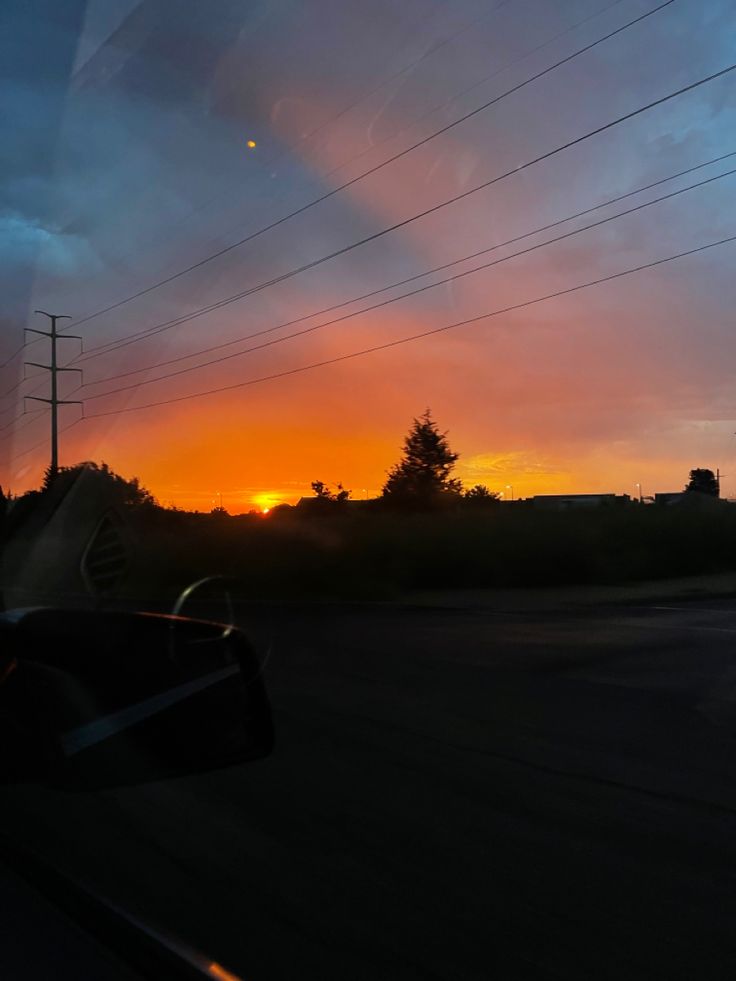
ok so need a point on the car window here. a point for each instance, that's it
(367, 455)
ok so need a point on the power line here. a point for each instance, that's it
(132, 338)
(22, 399)
(12, 357)
(421, 289)
(14, 389)
(16, 354)
(321, 126)
(11, 390)
(412, 123)
(18, 351)
(402, 71)
(277, 157)
(357, 156)
(475, 85)
(421, 275)
(372, 170)
(22, 381)
(29, 395)
(414, 337)
(34, 413)
(43, 442)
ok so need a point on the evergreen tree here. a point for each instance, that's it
(422, 476)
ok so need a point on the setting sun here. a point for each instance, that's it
(265, 502)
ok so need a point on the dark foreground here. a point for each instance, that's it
(454, 794)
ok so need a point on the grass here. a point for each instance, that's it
(379, 554)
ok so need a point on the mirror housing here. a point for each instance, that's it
(99, 699)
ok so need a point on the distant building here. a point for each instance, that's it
(669, 497)
(689, 499)
(567, 502)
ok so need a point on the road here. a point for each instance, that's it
(459, 793)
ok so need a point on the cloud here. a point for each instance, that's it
(137, 169)
(495, 465)
(25, 240)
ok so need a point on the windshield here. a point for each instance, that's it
(396, 337)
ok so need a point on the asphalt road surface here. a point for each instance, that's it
(455, 793)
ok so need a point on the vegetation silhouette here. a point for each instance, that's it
(323, 493)
(121, 490)
(421, 479)
(480, 496)
(703, 482)
(424, 532)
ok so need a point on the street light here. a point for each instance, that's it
(509, 487)
(640, 494)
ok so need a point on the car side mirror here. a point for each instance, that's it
(99, 699)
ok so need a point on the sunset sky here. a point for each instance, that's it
(128, 155)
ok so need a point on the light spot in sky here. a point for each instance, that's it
(101, 198)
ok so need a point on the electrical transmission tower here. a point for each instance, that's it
(54, 368)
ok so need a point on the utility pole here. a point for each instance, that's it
(54, 368)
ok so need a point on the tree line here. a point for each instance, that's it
(423, 476)
(422, 479)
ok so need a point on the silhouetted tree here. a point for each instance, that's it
(323, 492)
(129, 492)
(481, 495)
(422, 477)
(703, 482)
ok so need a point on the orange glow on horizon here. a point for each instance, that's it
(284, 459)
(266, 501)
(302, 441)
(549, 374)
(590, 411)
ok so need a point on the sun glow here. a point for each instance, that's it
(265, 502)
